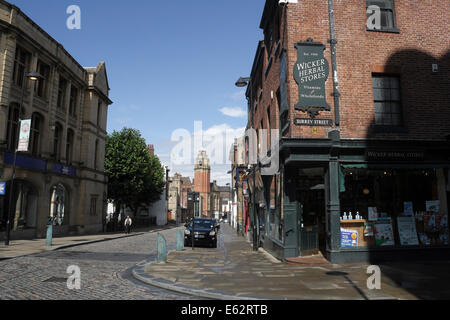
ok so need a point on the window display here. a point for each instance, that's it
(397, 207)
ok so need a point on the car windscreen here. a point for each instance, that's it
(203, 224)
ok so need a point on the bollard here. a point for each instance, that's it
(162, 249)
(180, 240)
(48, 241)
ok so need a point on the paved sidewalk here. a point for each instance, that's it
(233, 271)
(18, 248)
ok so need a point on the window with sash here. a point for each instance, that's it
(387, 100)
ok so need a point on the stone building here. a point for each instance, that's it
(62, 174)
(357, 95)
(179, 187)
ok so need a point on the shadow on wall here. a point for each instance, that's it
(411, 140)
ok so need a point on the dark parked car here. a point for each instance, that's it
(205, 232)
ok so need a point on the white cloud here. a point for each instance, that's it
(217, 141)
(234, 112)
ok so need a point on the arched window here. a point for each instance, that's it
(13, 122)
(58, 200)
(35, 135)
(69, 146)
(57, 142)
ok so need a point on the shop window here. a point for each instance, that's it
(58, 200)
(35, 134)
(393, 207)
(387, 100)
(21, 62)
(385, 21)
(25, 206)
(11, 132)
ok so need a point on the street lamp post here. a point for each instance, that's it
(34, 76)
(243, 82)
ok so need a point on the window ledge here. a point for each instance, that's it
(394, 30)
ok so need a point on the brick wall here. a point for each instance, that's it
(423, 40)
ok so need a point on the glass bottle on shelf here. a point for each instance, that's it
(345, 216)
(350, 216)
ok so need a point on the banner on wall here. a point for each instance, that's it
(24, 136)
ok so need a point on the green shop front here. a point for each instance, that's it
(358, 200)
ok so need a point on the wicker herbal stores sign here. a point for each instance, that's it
(311, 73)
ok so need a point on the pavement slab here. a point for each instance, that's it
(245, 274)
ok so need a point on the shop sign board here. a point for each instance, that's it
(311, 73)
(2, 188)
(394, 155)
(313, 122)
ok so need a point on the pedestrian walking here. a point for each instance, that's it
(128, 223)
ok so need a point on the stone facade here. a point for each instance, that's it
(62, 175)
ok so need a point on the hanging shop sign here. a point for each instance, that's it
(311, 73)
(313, 122)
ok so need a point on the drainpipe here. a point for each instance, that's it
(333, 43)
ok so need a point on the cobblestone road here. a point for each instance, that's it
(105, 272)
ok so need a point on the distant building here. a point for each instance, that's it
(151, 149)
(202, 178)
(179, 187)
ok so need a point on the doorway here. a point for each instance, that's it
(311, 211)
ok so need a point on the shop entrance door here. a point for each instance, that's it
(311, 213)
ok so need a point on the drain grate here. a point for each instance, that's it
(56, 279)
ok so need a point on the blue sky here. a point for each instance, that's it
(169, 63)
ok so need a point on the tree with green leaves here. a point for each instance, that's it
(135, 178)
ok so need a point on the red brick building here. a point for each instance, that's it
(359, 93)
(202, 182)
